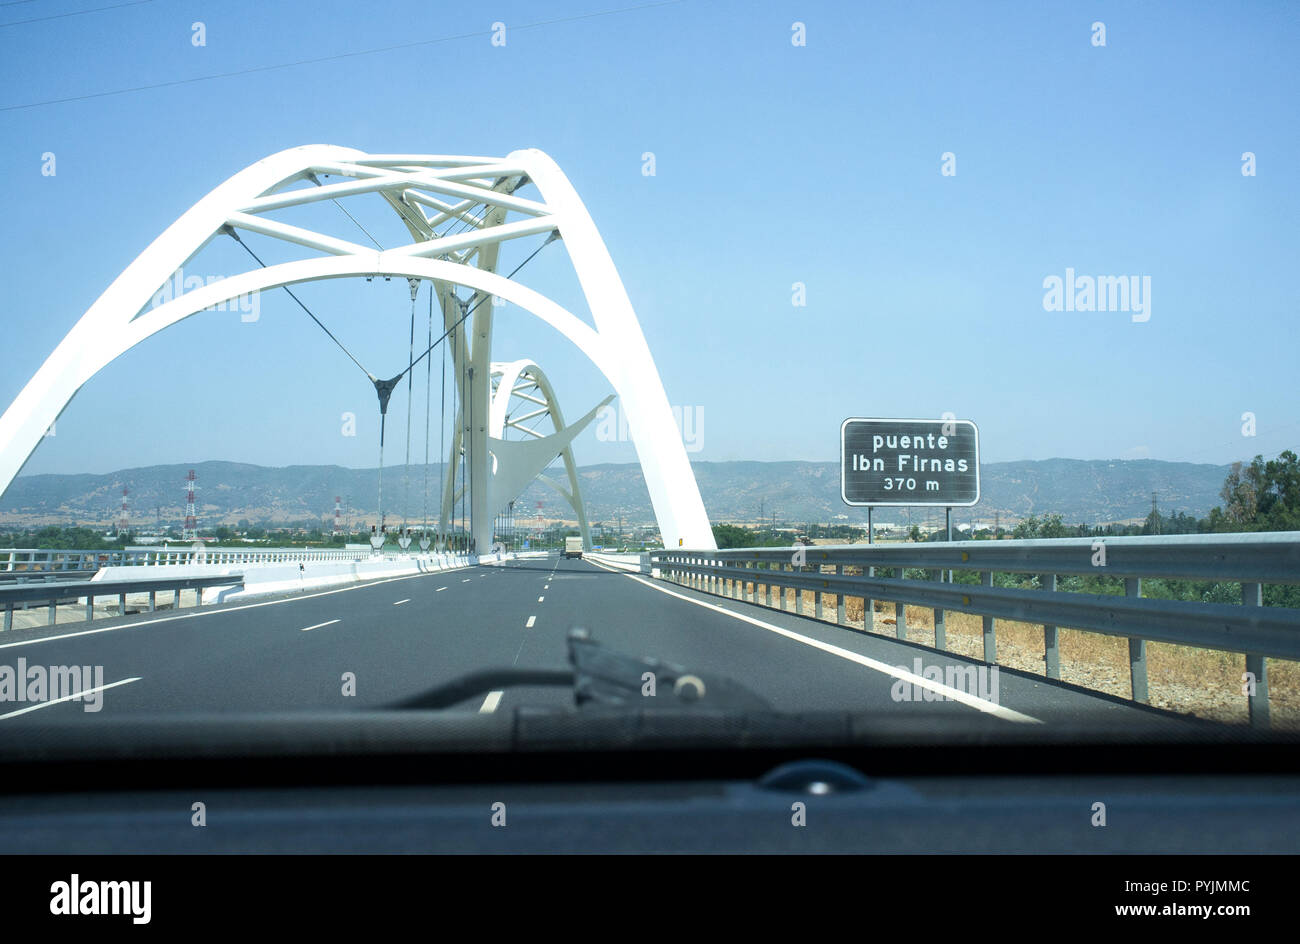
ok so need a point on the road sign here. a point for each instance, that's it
(909, 462)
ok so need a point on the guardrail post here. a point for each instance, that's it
(152, 595)
(990, 631)
(176, 600)
(121, 604)
(90, 607)
(900, 612)
(53, 611)
(798, 593)
(839, 597)
(1137, 649)
(940, 631)
(1051, 644)
(868, 605)
(9, 616)
(817, 599)
(1252, 594)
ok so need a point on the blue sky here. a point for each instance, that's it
(775, 164)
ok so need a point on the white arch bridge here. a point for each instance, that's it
(458, 211)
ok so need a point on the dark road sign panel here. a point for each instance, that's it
(909, 462)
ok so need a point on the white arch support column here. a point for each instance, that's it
(431, 194)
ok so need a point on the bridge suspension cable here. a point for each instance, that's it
(230, 231)
(555, 234)
(384, 388)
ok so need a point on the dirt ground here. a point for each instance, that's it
(1206, 683)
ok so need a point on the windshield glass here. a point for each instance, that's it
(916, 363)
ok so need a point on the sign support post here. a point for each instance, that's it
(947, 514)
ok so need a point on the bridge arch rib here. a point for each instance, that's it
(427, 192)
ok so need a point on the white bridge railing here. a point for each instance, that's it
(45, 561)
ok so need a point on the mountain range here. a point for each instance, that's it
(1081, 491)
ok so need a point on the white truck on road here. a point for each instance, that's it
(572, 547)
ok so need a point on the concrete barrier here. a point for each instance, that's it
(636, 563)
(264, 579)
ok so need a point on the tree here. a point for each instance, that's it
(730, 535)
(1049, 526)
(1262, 496)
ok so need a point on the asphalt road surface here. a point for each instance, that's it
(393, 639)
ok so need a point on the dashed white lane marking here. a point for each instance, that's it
(490, 703)
(540, 599)
(440, 589)
(400, 602)
(531, 621)
(84, 691)
(956, 694)
(319, 625)
(466, 580)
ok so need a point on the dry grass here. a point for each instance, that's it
(1202, 682)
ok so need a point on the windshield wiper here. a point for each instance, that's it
(601, 676)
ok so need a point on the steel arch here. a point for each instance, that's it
(427, 192)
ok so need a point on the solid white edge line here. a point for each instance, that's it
(319, 625)
(531, 621)
(208, 612)
(84, 691)
(490, 703)
(955, 694)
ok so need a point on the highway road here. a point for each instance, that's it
(397, 638)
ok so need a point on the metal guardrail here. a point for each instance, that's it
(54, 592)
(1257, 631)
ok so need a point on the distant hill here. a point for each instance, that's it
(1087, 491)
